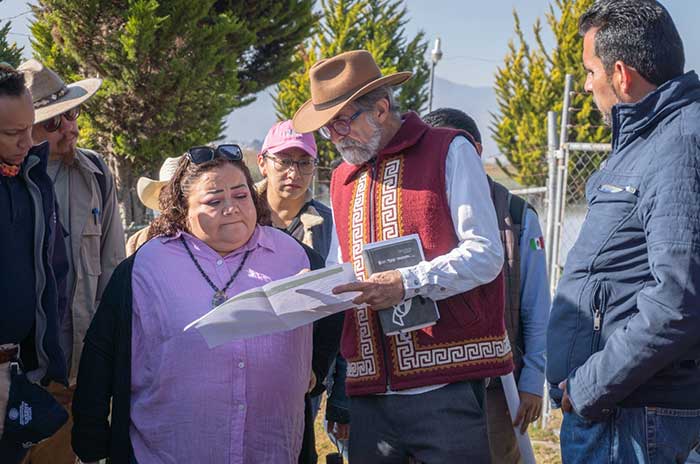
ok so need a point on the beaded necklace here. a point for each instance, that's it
(219, 294)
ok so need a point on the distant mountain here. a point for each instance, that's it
(477, 102)
(249, 125)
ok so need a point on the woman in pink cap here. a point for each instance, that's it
(288, 162)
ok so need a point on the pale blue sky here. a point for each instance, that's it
(474, 33)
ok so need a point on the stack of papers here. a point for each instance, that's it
(278, 306)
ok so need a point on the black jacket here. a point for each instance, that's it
(50, 267)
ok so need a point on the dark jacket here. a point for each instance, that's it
(327, 331)
(50, 267)
(104, 376)
(626, 317)
(338, 402)
(320, 234)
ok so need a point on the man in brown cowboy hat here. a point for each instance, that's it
(88, 211)
(417, 395)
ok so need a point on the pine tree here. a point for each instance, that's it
(9, 52)
(531, 82)
(376, 26)
(172, 70)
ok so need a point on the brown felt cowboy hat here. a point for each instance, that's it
(337, 81)
(51, 96)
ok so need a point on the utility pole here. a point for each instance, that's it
(435, 55)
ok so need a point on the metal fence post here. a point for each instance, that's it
(551, 180)
(549, 231)
(562, 168)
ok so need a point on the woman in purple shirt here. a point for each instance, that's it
(174, 400)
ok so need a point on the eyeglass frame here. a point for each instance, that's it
(213, 152)
(76, 109)
(325, 130)
(294, 164)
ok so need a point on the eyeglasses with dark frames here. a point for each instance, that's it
(305, 166)
(340, 126)
(204, 154)
(53, 124)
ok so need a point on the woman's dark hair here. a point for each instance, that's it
(640, 33)
(454, 118)
(174, 195)
(11, 81)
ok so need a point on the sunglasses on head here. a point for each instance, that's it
(204, 154)
(53, 124)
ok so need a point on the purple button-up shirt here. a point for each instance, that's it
(242, 402)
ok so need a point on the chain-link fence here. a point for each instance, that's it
(570, 166)
(582, 160)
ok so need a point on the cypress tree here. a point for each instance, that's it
(531, 82)
(172, 70)
(9, 52)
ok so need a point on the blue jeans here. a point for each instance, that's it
(631, 435)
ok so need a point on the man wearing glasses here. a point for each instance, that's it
(89, 212)
(417, 396)
(287, 161)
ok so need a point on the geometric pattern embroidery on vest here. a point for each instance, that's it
(389, 199)
(366, 365)
(410, 359)
(357, 230)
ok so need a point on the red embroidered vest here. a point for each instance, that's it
(403, 192)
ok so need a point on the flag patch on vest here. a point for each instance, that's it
(537, 243)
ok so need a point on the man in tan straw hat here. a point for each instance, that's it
(418, 395)
(89, 212)
(148, 191)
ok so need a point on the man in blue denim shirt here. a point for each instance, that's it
(527, 303)
(622, 346)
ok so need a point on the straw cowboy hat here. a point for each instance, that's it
(148, 190)
(51, 96)
(337, 81)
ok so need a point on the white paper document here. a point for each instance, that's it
(513, 400)
(278, 306)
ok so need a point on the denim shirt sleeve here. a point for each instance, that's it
(535, 301)
(667, 323)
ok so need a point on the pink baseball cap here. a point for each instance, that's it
(282, 136)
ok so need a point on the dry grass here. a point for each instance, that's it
(544, 441)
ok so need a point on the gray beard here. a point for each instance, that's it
(357, 153)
